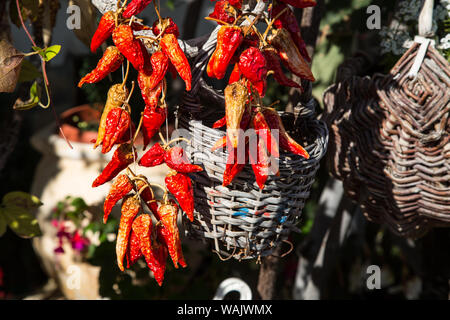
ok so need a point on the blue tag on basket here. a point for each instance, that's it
(241, 212)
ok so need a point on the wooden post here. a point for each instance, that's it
(310, 22)
(268, 275)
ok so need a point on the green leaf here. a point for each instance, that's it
(48, 53)
(79, 204)
(21, 200)
(35, 94)
(102, 238)
(22, 222)
(3, 223)
(170, 4)
(28, 72)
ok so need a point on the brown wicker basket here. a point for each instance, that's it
(391, 146)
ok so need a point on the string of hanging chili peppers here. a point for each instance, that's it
(254, 56)
(138, 236)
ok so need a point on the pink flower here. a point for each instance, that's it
(59, 250)
(79, 242)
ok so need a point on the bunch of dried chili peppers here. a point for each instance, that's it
(148, 226)
(254, 56)
(153, 235)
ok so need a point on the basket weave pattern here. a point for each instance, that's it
(391, 143)
(240, 219)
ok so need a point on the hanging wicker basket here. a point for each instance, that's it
(240, 220)
(391, 146)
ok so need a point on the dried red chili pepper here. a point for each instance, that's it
(147, 195)
(111, 61)
(132, 48)
(273, 63)
(130, 208)
(152, 121)
(135, 7)
(104, 30)
(288, 21)
(117, 95)
(153, 157)
(300, 3)
(142, 226)
(236, 96)
(122, 158)
(139, 26)
(168, 213)
(117, 124)
(118, 190)
(245, 121)
(222, 12)
(160, 64)
(150, 96)
(229, 38)
(263, 131)
(252, 65)
(250, 40)
(236, 3)
(220, 123)
(289, 54)
(169, 45)
(286, 142)
(180, 186)
(235, 74)
(166, 24)
(260, 163)
(128, 135)
(233, 166)
(160, 254)
(134, 252)
(176, 159)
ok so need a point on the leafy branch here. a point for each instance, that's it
(45, 54)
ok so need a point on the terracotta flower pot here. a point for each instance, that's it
(85, 113)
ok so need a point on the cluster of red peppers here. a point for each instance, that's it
(254, 56)
(153, 235)
(148, 226)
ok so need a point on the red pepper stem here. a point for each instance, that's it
(126, 102)
(119, 6)
(145, 186)
(139, 127)
(147, 37)
(162, 138)
(273, 20)
(157, 12)
(126, 74)
(150, 184)
(164, 91)
(273, 103)
(130, 172)
(217, 20)
(176, 140)
(252, 24)
(166, 193)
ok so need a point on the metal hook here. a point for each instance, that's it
(233, 284)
